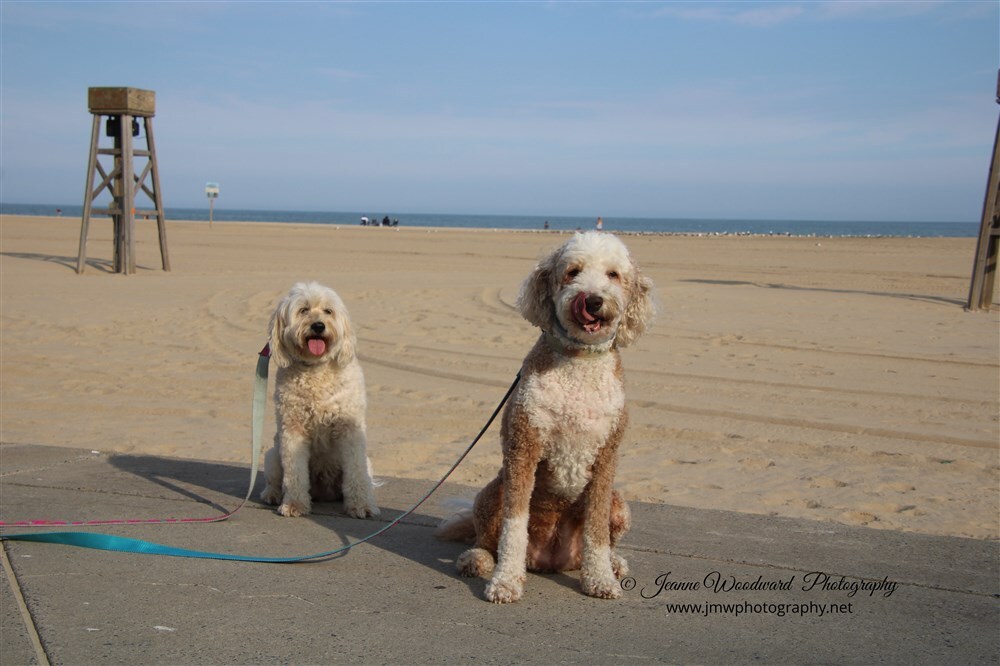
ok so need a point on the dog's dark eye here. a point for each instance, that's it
(572, 273)
(614, 275)
(303, 311)
(329, 311)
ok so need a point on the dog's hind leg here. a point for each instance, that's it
(359, 491)
(475, 562)
(272, 475)
(486, 522)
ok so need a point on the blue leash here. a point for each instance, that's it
(127, 545)
(110, 542)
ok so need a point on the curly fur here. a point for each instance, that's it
(553, 507)
(320, 447)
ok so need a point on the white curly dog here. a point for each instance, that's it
(552, 507)
(320, 448)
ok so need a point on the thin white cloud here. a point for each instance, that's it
(760, 16)
(768, 14)
(875, 9)
(339, 74)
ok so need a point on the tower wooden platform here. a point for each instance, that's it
(122, 108)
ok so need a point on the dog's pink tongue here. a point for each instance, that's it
(317, 347)
(580, 309)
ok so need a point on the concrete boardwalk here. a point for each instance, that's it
(398, 600)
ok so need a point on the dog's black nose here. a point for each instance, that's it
(318, 327)
(594, 304)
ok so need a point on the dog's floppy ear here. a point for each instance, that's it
(639, 310)
(535, 298)
(278, 323)
(348, 343)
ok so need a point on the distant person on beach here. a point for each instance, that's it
(385, 221)
(600, 224)
(546, 227)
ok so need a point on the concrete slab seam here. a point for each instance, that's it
(29, 622)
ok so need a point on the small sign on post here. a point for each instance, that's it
(212, 192)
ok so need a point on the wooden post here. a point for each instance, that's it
(122, 106)
(88, 195)
(126, 204)
(154, 195)
(984, 267)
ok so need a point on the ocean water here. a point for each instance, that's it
(822, 228)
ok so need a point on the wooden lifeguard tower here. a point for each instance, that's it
(122, 107)
(984, 268)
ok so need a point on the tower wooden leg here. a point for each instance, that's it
(984, 267)
(128, 195)
(161, 224)
(88, 196)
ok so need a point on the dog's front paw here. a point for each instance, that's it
(361, 510)
(293, 509)
(602, 587)
(270, 495)
(504, 591)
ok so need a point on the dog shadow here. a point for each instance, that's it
(203, 482)
(188, 478)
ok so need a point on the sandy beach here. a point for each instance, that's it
(830, 379)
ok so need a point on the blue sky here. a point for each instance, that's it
(775, 110)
